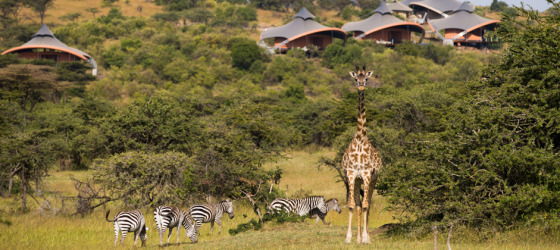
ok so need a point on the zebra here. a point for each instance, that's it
(129, 221)
(299, 206)
(331, 204)
(204, 213)
(170, 217)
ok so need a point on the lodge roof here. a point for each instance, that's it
(381, 19)
(463, 19)
(438, 6)
(302, 25)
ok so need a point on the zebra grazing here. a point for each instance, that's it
(170, 217)
(331, 204)
(299, 206)
(204, 213)
(129, 221)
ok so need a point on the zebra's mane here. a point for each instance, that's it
(330, 200)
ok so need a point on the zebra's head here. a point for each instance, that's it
(228, 207)
(190, 227)
(335, 206)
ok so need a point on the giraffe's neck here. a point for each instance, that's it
(361, 132)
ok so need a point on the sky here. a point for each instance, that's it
(540, 5)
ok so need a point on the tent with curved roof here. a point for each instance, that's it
(301, 32)
(44, 45)
(434, 9)
(383, 27)
(399, 7)
(463, 25)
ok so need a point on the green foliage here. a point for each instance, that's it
(244, 54)
(348, 13)
(493, 159)
(145, 179)
(279, 217)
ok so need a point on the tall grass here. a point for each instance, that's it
(36, 231)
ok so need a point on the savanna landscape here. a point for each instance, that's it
(186, 108)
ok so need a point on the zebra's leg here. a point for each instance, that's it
(169, 235)
(161, 232)
(178, 230)
(123, 236)
(351, 204)
(116, 232)
(211, 227)
(136, 236)
(323, 219)
(219, 223)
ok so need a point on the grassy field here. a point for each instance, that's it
(36, 231)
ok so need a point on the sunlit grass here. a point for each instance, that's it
(35, 231)
(64, 7)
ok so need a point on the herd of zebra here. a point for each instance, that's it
(171, 216)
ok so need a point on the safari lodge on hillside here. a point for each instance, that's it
(463, 27)
(433, 9)
(301, 32)
(384, 28)
(44, 45)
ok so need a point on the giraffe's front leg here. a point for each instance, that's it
(351, 205)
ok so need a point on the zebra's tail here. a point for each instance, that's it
(107, 216)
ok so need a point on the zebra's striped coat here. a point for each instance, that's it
(204, 213)
(299, 206)
(170, 217)
(129, 221)
(331, 204)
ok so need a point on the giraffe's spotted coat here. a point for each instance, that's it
(361, 161)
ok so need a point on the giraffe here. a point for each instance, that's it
(362, 164)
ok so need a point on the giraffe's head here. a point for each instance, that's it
(361, 77)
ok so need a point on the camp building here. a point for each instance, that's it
(384, 28)
(463, 26)
(44, 45)
(302, 32)
(433, 9)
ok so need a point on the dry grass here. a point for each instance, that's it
(64, 7)
(35, 231)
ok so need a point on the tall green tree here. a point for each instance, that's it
(494, 160)
(41, 6)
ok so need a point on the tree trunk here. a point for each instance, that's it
(434, 229)
(23, 192)
(11, 181)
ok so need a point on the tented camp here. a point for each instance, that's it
(384, 28)
(398, 7)
(44, 45)
(434, 9)
(302, 32)
(463, 26)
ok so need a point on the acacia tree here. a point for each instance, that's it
(25, 149)
(41, 6)
(494, 160)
